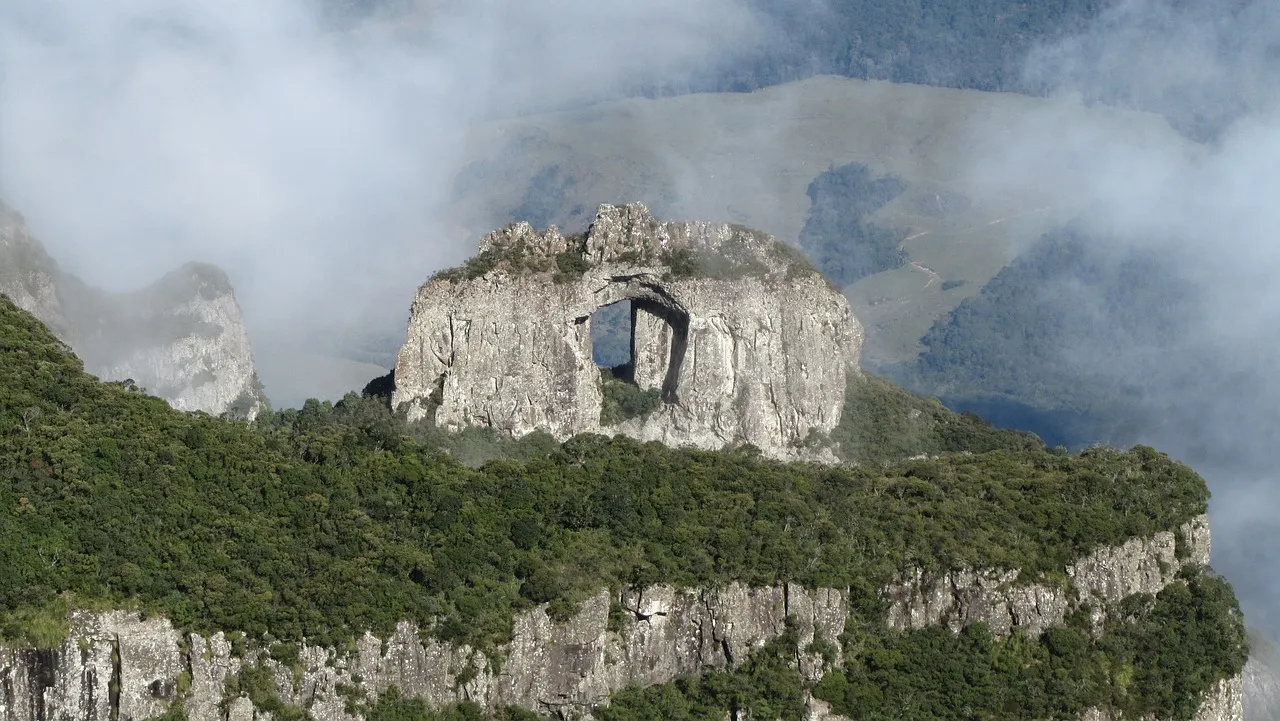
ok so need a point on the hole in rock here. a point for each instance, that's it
(639, 346)
(611, 339)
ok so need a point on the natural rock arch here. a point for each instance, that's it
(659, 333)
(747, 342)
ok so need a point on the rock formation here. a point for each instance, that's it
(182, 338)
(1262, 679)
(741, 336)
(116, 666)
(1140, 565)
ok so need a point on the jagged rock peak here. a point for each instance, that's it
(625, 236)
(193, 281)
(735, 338)
(181, 338)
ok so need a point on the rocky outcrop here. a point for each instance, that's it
(1109, 574)
(27, 274)
(1223, 703)
(1262, 679)
(118, 666)
(183, 338)
(743, 338)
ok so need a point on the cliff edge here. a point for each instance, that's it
(182, 338)
(736, 334)
(122, 665)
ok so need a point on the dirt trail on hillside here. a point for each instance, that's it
(933, 277)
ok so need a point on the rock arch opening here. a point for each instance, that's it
(511, 335)
(639, 345)
(659, 338)
(611, 337)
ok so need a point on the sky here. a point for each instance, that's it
(311, 159)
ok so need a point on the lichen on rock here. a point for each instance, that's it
(744, 339)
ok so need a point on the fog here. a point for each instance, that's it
(1212, 210)
(314, 160)
(309, 153)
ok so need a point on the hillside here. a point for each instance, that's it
(326, 522)
(995, 45)
(753, 158)
(182, 337)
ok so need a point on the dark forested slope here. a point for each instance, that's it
(329, 520)
(1090, 338)
(837, 236)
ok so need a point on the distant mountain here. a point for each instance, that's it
(182, 338)
(1094, 47)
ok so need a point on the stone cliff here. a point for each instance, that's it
(743, 341)
(118, 666)
(1262, 680)
(182, 338)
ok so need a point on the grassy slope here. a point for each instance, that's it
(749, 158)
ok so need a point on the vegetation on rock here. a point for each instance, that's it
(1155, 657)
(329, 520)
(518, 258)
(624, 400)
(326, 521)
(750, 254)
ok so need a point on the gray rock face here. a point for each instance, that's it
(558, 669)
(746, 342)
(1262, 679)
(182, 338)
(27, 274)
(1109, 574)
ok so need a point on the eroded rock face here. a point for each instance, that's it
(182, 338)
(744, 339)
(1109, 574)
(558, 669)
(1262, 679)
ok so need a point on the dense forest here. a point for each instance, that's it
(836, 235)
(328, 520)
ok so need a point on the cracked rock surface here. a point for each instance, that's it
(743, 338)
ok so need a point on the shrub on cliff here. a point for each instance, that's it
(623, 400)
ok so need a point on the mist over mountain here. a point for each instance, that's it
(308, 154)
(324, 155)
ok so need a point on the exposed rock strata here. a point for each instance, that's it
(744, 338)
(956, 599)
(182, 338)
(663, 633)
